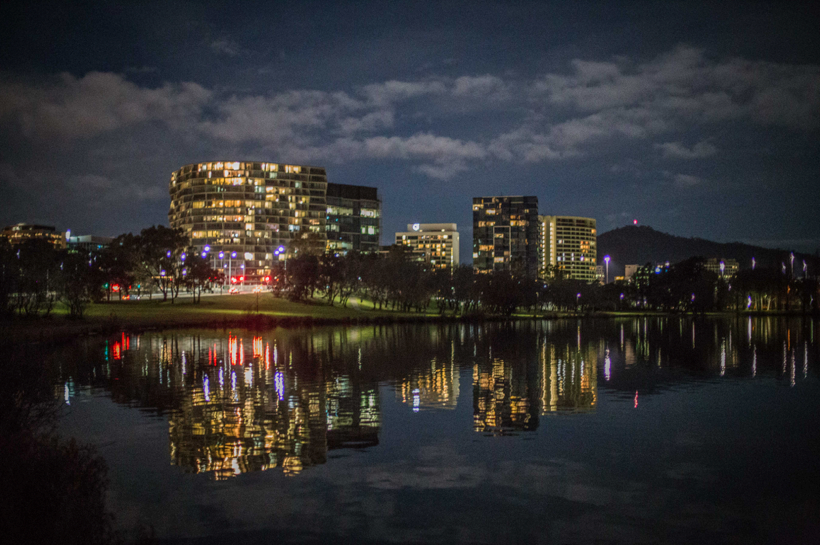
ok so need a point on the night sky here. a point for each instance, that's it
(699, 119)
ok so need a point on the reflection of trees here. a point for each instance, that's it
(652, 353)
(53, 490)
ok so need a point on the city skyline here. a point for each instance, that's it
(698, 120)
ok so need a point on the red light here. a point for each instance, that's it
(241, 278)
(267, 279)
(233, 280)
(635, 222)
(115, 287)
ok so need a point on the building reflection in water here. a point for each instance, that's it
(285, 399)
(539, 372)
(236, 405)
(432, 386)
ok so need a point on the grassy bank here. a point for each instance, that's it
(243, 310)
(222, 311)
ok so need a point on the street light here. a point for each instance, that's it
(791, 258)
(606, 259)
(280, 251)
(753, 263)
(230, 263)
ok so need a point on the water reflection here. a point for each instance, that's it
(239, 402)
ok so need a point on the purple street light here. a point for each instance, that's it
(606, 259)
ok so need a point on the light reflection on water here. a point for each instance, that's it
(241, 402)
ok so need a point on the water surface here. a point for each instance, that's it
(633, 430)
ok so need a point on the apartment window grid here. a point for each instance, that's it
(506, 234)
(571, 246)
(250, 208)
(436, 244)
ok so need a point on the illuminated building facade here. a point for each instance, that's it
(729, 269)
(246, 210)
(17, 234)
(353, 218)
(569, 243)
(505, 234)
(89, 243)
(435, 243)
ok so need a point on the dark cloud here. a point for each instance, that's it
(431, 113)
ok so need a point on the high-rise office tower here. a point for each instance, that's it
(353, 218)
(505, 234)
(570, 244)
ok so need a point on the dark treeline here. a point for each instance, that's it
(35, 275)
(397, 281)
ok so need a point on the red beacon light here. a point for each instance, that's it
(233, 280)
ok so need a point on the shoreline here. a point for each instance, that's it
(54, 329)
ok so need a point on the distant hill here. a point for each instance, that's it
(642, 244)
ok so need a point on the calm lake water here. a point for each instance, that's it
(631, 431)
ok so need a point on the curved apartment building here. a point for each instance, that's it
(247, 209)
(569, 243)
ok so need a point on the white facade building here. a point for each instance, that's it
(436, 243)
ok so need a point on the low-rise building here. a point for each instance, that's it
(89, 243)
(722, 267)
(17, 234)
(436, 243)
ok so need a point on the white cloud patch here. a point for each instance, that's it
(684, 85)
(686, 180)
(226, 46)
(486, 86)
(549, 118)
(393, 91)
(79, 108)
(676, 150)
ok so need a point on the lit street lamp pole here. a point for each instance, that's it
(606, 260)
(280, 251)
(221, 268)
